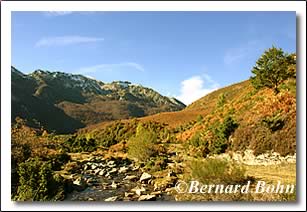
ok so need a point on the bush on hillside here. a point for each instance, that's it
(221, 100)
(142, 146)
(222, 134)
(79, 144)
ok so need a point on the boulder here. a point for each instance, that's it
(123, 169)
(111, 199)
(130, 177)
(139, 190)
(145, 176)
(148, 197)
(129, 194)
(114, 170)
(102, 172)
(114, 185)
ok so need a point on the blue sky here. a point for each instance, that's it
(180, 54)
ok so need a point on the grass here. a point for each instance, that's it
(285, 173)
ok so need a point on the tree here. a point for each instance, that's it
(272, 69)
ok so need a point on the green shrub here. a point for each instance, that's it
(274, 123)
(196, 140)
(58, 160)
(142, 146)
(79, 144)
(158, 163)
(37, 182)
(214, 171)
(200, 119)
(222, 134)
(221, 100)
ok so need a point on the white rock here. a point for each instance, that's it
(114, 185)
(139, 191)
(130, 177)
(111, 199)
(147, 197)
(113, 171)
(128, 194)
(145, 176)
(123, 169)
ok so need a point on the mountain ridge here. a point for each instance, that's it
(87, 101)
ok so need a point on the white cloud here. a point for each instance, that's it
(66, 40)
(196, 87)
(111, 67)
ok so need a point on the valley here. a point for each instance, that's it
(76, 138)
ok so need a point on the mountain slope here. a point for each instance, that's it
(232, 118)
(77, 101)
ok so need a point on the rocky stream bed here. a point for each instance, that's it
(100, 179)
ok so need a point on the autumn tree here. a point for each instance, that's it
(272, 69)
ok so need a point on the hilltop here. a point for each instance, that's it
(78, 101)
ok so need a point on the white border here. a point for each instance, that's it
(7, 7)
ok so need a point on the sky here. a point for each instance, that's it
(179, 54)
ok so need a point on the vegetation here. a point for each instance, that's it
(216, 171)
(75, 144)
(221, 100)
(250, 119)
(272, 69)
(78, 101)
(37, 181)
(142, 146)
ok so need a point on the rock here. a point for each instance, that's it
(90, 199)
(102, 172)
(85, 167)
(147, 197)
(139, 191)
(94, 166)
(123, 169)
(97, 171)
(171, 165)
(114, 185)
(73, 176)
(135, 168)
(91, 180)
(129, 194)
(111, 199)
(111, 162)
(237, 157)
(156, 193)
(130, 177)
(114, 170)
(145, 176)
(79, 184)
(78, 181)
